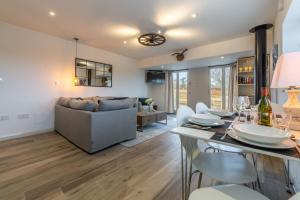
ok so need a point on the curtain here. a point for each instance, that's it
(169, 93)
(233, 90)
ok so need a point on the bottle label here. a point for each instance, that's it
(264, 118)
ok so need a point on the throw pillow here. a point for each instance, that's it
(86, 105)
(106, 105)
(64, 101)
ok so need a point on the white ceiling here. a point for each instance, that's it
(107, 23)
(204, 62)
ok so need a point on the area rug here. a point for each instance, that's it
(150, 132)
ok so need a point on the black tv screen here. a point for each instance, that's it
(155, 77)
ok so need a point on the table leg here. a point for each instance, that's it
(140, 128)
(190, 177)
(185, 175)
(254, 160)
(289, 184)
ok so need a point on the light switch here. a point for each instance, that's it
(23, 116)
(4, 117)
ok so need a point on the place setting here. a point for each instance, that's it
(212, 119)
(209, 122)
(242, 128)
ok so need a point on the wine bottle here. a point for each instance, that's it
(264, 108)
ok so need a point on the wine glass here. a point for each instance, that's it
(236, 106)
(282, 121)
(253, 114)
(244, 101)
(245, 104)
(239, 104)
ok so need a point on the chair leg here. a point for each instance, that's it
(185, 177)
(182, 175)
(190, 177)
(199, 180)
(207, 148)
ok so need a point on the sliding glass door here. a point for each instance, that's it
(180, 79)
(219, 87)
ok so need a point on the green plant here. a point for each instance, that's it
(149, 101)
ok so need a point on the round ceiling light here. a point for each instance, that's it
(151, 39)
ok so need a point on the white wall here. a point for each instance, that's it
(198, 86)
(283, 8)
(31, 62)
(291, 29)
(157, 93)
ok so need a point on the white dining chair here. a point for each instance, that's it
(227, 192)
(230, 192)
(225, 167)
(201, 108)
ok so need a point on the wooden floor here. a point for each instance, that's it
(48, 167)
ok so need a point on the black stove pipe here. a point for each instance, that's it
(260, 58)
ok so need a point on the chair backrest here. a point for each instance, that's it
(295, 197)
(190, 144)
(182, 114)
(201, 108)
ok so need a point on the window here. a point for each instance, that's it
(180, 79)
(219, 87)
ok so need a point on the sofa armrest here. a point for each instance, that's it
(75, 125)
(111, 127)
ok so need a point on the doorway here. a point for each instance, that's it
(219, 87)
(180, 81)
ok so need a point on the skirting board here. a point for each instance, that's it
(20, 135)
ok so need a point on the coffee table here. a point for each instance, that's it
(146, 118)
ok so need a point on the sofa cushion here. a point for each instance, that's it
(87, 105)
(64, 101)
(98, 99)
(105, 105)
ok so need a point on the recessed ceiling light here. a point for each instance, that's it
(124, 42)
(159, 31)
(194, 15)
(222, 57)
(51, 13)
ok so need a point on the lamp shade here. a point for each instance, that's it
(287, 71)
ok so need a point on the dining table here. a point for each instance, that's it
(216, 135)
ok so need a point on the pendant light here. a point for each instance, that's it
(75, 79)
(76, 41)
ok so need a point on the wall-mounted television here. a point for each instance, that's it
(155, 77)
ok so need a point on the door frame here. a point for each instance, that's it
(177, 86)
(223, 67)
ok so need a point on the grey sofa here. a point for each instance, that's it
(93, 131)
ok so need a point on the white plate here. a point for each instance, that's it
(212, 124)
(286, 144)
(262, 134)
(204, 118)
(221, 113)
